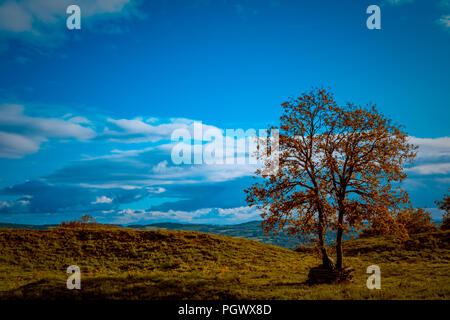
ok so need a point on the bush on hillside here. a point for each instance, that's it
(417, 221)
(84, 220)
(445, 206)
(410, 221)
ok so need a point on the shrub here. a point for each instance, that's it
(445, 206)
(417, 221)
(84, 220)
(411, 221)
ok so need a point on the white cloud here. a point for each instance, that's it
(160, 167)
(12, 117)
(436, 213)
(139, 131)
(205, 215)
(433, 168)
(240, 213)
(43, 21)
(79, 120)
(398, 2)
(16, 146)
(151, 119)
(432, 148)
(165, 172)
(17, 206)
(102, 199)
(109, 186)
(445, 21)
(14, 18)
(433, 156)
(21, 135)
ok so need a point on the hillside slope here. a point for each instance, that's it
(249, 230)
(122, 263)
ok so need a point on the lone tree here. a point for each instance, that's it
(339, 168)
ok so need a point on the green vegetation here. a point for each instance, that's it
(123, 263)
(445, 206)
(414, 220)
(250, 230)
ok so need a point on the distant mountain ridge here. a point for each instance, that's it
(249, 230)
(27, 226)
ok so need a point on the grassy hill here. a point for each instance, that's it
(27, 226)
(124, 263)
(250, 230)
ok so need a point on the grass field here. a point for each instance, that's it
(123, 263)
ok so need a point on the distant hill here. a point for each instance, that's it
(250, 230)
(125, 263)
(26, 226)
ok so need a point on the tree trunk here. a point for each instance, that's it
(339, 252)
(327, 261)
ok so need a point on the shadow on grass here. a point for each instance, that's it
(141, 288)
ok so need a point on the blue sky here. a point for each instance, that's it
(86, 115)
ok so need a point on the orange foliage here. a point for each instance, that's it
(339, 167)
(83, 221)
(445, 206)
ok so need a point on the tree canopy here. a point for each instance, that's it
(339, 168)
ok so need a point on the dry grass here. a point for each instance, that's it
(121, 263)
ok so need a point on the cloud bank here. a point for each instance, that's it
(42, 22)
(21, 135)
(136, 180)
